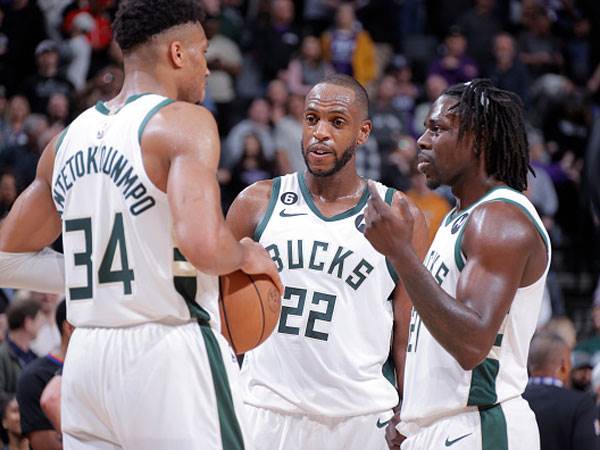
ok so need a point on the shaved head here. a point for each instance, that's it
(361, 98)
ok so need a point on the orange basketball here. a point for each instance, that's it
(249, 307)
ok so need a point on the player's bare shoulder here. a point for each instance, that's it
(249, 207)
(181, 127)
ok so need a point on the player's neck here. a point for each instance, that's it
(141, 80)
(345, 185)
(469, 191)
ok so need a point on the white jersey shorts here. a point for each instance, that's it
(151, 387)
(272, 430)
(510, 425)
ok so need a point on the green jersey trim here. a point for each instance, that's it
(389, 197)
(494, 432)
(458, 256)
(60, 140)
(449, 217)
(231, 434)
(151, 113)
(270, 207)
(309, 201)
(389, 369)
(102, 108)
(530, 217)
(187, 287)
(483, 383)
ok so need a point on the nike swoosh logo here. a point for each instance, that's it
(282, 213)
(381, 424)
(454, 441)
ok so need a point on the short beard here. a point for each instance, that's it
(339, 162)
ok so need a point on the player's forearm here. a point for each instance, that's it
(218, 253)
(456, 327)
(43, 271)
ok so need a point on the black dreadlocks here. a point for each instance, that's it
(495, 118)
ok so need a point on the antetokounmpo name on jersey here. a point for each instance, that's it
(107, 161)
(321, 257)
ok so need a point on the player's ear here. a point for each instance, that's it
(176, 53)
(365, 130)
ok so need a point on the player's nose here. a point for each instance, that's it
(424, 142)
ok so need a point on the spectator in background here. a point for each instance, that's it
(277, 96)
(39, 87)
(276, 41)
(288, 135)
(540, 51)
(591, 346)
(565, 418)
(480, 25)
(562, 326)
(224, 60)
(79, 50)
(22, 25)
(11, 424)
(396, 168)
(103, 86)
(12, 130)
(58, 111)
(368, 160)
(22, 159)
(453, 64)
(433, 205)
(581, 374)
(48, 336)
(434, 86)
(508, 72)
(307, 69)
(8, 192)
(407, 91)
(251, 166)
(385, 116)
(24, 321)
(258, 123)
(100, 36)
(349, 48)
(32, 381)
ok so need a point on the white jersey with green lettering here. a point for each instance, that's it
(121, 263)
(435, 386)
(327, 354)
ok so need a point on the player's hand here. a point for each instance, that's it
(393, 438)
(257, 260)
(389, 229)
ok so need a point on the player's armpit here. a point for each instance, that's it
(45, 440)
(248, 209)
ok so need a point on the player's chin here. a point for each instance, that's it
(432, 183)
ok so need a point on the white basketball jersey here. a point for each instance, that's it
(121, 263)
(327, 353)
(434, 383)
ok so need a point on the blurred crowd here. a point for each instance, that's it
(57, 58)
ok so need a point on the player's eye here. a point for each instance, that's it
(338, 123)
(310, 119)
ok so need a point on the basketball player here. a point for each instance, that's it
(477, 296)
(133, 184)
(318, 382)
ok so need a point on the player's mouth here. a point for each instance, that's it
(319, 152)
(423, 162)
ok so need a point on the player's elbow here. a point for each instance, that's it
(200, 249)
(471, 355)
